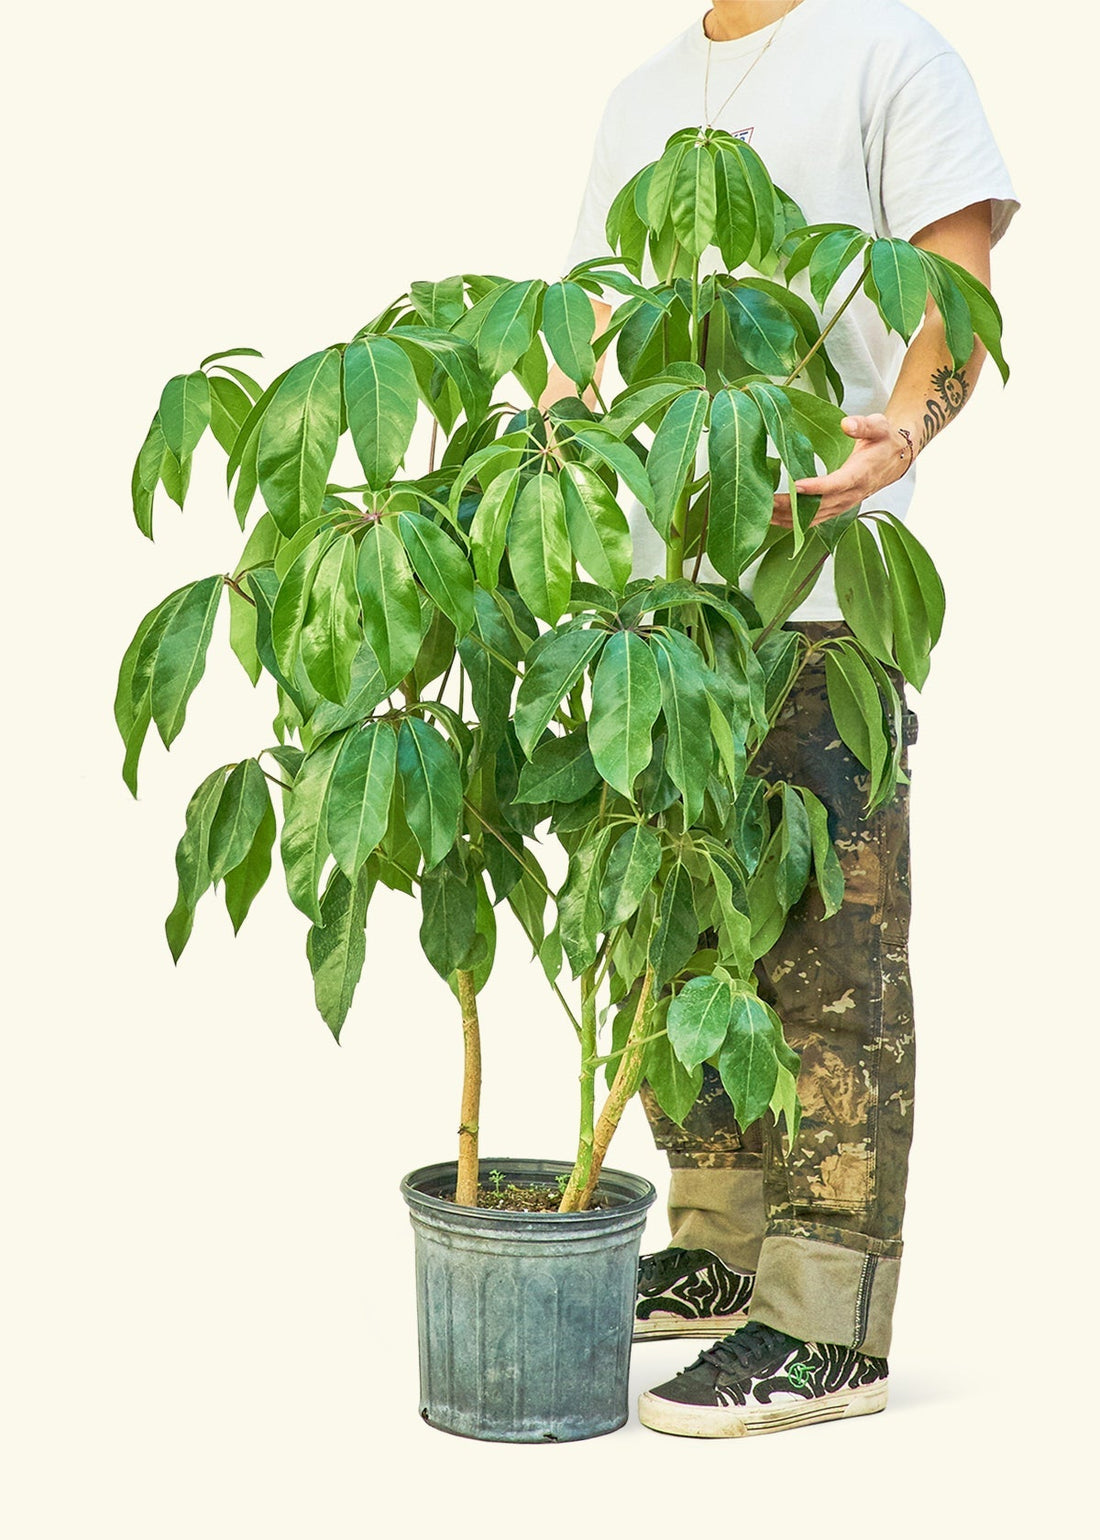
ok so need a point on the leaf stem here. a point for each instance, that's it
(820, 343)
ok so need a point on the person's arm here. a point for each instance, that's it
(559, 384)
(930, 392)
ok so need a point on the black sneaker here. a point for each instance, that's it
(685, 1293)
(759, 1380)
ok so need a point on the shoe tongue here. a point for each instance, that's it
(753, 1342)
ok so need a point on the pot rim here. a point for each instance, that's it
(635, 1194)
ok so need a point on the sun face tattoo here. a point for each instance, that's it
(951, 391)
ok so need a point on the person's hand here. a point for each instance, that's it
(879, 457)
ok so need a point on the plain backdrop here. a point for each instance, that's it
(207, 1277)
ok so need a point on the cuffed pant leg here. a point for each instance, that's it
(720, 1211)
(824, 1285)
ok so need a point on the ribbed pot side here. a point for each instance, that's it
(525, 1320)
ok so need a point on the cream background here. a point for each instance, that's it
(207, 1285)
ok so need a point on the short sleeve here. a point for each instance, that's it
(590, 237)
(936, 154)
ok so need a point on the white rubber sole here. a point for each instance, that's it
(664, 1327)
(741, 1421)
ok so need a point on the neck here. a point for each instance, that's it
(728, 19)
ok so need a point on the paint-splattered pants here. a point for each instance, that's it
(819, 1223)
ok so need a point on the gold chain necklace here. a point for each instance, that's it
(708, 119)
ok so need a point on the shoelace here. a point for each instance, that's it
(743, 1348)
(652, 1268)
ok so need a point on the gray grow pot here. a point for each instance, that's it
(525, 1319)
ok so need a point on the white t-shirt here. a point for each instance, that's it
(865, 115)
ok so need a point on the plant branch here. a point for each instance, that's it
(820, 343)
(467, 1183)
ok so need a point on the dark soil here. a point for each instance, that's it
(535, 1199)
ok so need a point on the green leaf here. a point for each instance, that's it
(857, 709)
(763, 331)
(441, 567)
(671, 460)
(380, 396)
(432, 788)
(699, 1018)
(557, 668)
(747, 1063)
(439, 303)
(180, 657)
(297, 439)
(694, 205)
(391, 605)
(449, 904)
(146, 477)
(759, 188)
(926, 580)
(676, 1088)
(359, 796)
(338, 946)
(795, 850)
(953, 308)
(912, 632)
(439, 357)
(304, 845)
(580, 918)
(785, 1102)
(661, 186)
(634, 862)
(568, 322)
(247, 878)
(985, 315)
(831, 259)
(794, 450)
(735, 212)
(184, 412)
(192, 865)
(689, 752)
(240, 811)
(902, 285)
(741, 493)
(560, 770)
(489, 528)
(539, 549)
(288, 613)
(330, 634)
(229, 409)
(503, 324)
(597, 527)
(490, 653)
(621, 460)
(131, 704)
(626, 699)
(677, 933)
(863, 589)
(827, 868)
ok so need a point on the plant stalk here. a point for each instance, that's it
(467, 1183)
(820, 343)
(586, 1140)
(628, 1077)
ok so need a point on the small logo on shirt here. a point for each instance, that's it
(744, 134)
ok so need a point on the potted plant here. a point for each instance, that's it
(463, 667)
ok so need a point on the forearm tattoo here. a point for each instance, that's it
(950, 390)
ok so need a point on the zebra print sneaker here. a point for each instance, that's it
(760, 1380)
(685, 1293)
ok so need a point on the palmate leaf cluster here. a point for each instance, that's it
(464, 666)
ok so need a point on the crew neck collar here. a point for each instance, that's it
(752, 42)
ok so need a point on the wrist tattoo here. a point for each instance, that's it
(951, 389)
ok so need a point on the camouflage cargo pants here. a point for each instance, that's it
(819, 1223)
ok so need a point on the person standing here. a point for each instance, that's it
(865, 115)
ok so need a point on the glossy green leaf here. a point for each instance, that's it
(380, 397)
(857, 709)
(902, 285)
(580, 918)
(448, 928)
(432, 788)
(247, 878)
(330, 634)
(864, 591)
(689, 753)
(677, 931)
(735, 213)
(661, 186)
(699, 1018)
(598, 529)
(146, 477)
(626, 700)
(441, 566)
(795, 850)
(192, 863)
(438, 303)
(622, 460)
(748, 1063)
(557, 668)
(359, 797)
(985, 314)
(297, 439)
(831, 259)
(758, 187)
(694, 205)
(184, 412)
(670, 463)
(898, 537)
(912, 628)
(181, 655)
(490, 654)
(489, 528)
(633, 864)
(239, 813)
(539, 550)
(741, 493)
(291, 604)
(337, 947)
(229, 409)
(504, 325)
(675, 1088)
(560, 770)
(391, 605)
(794, 450)
(304, 845)
(568, 322)
(827, 868)
(763, 331)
